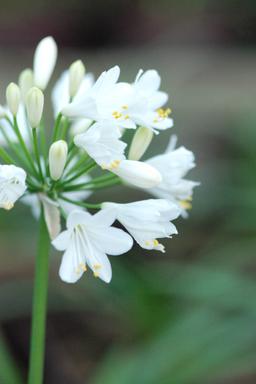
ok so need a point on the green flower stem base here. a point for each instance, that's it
(37, 347)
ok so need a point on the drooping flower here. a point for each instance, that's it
(173, 166)
(86, 242)
(102, 142)
(44, 61)
(137, 173)
(12, 185)
(147, 220)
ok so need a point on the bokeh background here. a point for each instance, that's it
(189, 316)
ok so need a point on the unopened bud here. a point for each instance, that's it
(34, 105)
(57, 158)
(140, 143)
(13, 98)
(76, 75)
(26, 81)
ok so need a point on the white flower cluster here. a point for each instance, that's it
(88, 152)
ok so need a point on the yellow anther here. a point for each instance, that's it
(156, 243)
(8, 205)
(117, 114)
(163, 113)
(97, 266)
(186, 204)
(83, 267)
(127, 117)
(95, 274)
(125, 106)
(147, 242)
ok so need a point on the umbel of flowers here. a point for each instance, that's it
(87, 151)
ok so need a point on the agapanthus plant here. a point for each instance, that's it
(87, 152)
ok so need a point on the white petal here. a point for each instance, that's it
(44, 61)
(149, 81)
(62, 241)
(67, 271)
(104, 218)
(60, 93)
(100, 264)
(77, 217)
(112, 241)
(52, 219)
(138, 173)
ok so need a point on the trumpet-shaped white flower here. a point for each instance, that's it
(173, 166)
(137, 173)
(147, 220)
(101, 101)
(44, 61)
(141, 103)
(12, 185)
(127, 105)
(86, 242)
(102, 142)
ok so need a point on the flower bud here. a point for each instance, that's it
(76, 75)
(57, 158)
(140, 143)
(26, 81)
(34, 105)
(13, 98)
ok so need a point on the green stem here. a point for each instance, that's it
(23, 146)
(6, 157)
(90, 186)
(78, 164)
(56, 127)
(37, 347)
(80, 203)
(36, 149)
(80, 173)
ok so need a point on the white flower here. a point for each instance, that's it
(60, 92)
(125, 104)
(87, 241)
(101, 101)
(44, 61)
(147, 220)
(173, 166)
(141, 103)
(101, 142)
(12, 185)
(137, 173)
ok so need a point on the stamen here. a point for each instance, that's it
(117, 114)
(8, 205)
(163, 113)
(186, 204)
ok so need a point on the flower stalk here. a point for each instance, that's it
(37, 347)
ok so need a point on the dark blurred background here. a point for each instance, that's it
(186, 317)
